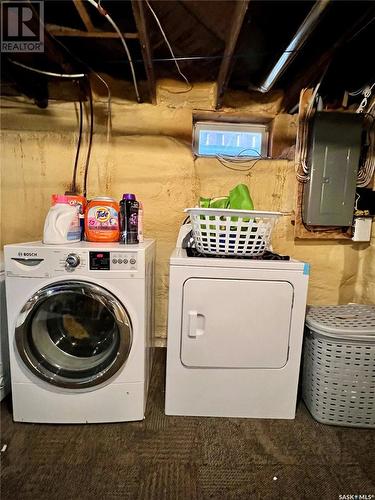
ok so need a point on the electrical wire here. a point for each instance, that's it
(109, 100)
(366, 92)
(75, 77)
(367, 167)
(105, 14)
(245, 169)
(90, 140)
(240, 159)
(241, 162)
(204, 58)
(48, 73)
(190, 86)
(74, 179)
(356, 92)
(114, 25)
(99, 77)
(109, 116)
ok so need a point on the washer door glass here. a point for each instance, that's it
(74, 334)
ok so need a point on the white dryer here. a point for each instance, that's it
(80, 321)
(235, 332)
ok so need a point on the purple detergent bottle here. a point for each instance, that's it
(129, 208)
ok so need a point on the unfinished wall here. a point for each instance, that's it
(150, 154)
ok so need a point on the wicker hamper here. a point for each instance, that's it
(338, 382)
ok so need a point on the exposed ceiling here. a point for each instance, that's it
(236, 43)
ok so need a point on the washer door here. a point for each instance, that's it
(73, 334)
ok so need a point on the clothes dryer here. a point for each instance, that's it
(235, 334)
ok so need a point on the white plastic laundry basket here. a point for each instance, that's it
(338, 383)
(232, 232)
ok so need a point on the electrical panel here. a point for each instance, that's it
(333, 159)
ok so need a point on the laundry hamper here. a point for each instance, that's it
(224, 231)
(338, 382)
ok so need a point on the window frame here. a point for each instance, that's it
(263, 128)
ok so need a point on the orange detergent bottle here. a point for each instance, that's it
(101, 220)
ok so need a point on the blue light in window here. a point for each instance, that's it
(229, 143)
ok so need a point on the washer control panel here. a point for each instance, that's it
(114, 261)
(123, 260)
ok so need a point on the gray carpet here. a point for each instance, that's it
(185, 457)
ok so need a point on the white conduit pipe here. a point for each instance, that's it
(48, 73)
(298, 40)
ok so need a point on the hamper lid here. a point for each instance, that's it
(351, 321)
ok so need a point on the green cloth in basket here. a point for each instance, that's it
(239, 199)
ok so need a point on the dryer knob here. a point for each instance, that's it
(72, 260)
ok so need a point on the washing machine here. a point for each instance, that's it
(80, 322)
(235, 331)
(4, 350)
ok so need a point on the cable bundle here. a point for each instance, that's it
(367, 167)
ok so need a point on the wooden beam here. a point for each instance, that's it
(84, 15)
(142, 27)
(240, 8)
(55, 30)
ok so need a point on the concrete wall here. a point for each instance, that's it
(149, 153)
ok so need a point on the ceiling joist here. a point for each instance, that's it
(142, 28)
(56, 30)
(240, 8)
(84, 15)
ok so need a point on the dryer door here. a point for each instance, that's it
(73, 334)
(230, 323)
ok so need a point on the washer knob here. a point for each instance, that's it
(72, 260)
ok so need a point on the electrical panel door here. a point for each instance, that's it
(329, 194)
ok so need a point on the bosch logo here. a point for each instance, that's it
(27, 254)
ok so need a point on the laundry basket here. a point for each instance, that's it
(231, 232)
(338, 382)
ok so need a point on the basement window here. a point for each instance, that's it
(230, 139)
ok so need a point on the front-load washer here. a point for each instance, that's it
(235, 332)
(80, 322)
(4, 350)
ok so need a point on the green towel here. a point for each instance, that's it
(239, 199)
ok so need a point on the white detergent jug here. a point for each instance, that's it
(62, 225)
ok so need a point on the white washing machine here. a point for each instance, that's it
(4, 350)
(80, 321)
(235, 331)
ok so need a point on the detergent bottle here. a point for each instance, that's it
(62, 225)
(129, 208)
(101, 220)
